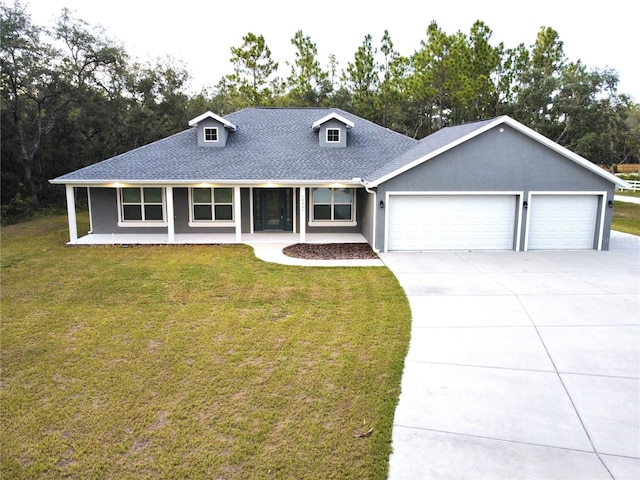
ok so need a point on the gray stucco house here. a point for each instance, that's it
(492, 184)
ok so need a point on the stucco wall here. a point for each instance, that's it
(497, 161)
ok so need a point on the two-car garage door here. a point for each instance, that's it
(451, 222)
(489, 222)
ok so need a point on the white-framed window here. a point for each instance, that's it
(335, 206)
(142, 206)
(209, 206)
(333, 135)
(210, 134)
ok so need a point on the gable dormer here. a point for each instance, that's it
(332, 130)
(213, 130)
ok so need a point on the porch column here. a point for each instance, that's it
(71, 214)
(303, 216)
(171, 226)
(237, 214)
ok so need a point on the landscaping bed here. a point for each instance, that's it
(331, 251)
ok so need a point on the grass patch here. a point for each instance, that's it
(626, 217)
(192, 362)
(628, 193)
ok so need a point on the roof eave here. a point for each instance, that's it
(114, 183)
(227, 124)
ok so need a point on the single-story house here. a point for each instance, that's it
(493, 184)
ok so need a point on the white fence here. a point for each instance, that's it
(635, 185)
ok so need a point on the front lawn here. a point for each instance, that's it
(193, 362)
(626, 217)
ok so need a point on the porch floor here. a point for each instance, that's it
(212, 238)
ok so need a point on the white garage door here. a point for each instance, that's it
(451, 222)
(562, 222)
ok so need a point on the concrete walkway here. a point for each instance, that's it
(521, 365)
(622, 198)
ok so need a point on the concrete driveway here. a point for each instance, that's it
(521, 365)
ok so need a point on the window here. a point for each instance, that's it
(333, 135)
(210, 134)
(142, 204)
(211, 205)
(333, 205)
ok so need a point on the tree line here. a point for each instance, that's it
(71, 96)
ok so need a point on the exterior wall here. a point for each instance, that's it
(222, 133)
(497, 161)
(104, 211)
(337, 229)
(322, 134)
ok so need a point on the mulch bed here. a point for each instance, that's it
(331, 251)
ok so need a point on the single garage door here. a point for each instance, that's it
(562, 222)
(451, 222)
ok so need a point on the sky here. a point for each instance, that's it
(201, 33)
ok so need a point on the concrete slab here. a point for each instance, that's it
(622, 468)
(544, 310)
(548, 283)
(608, 406)
(610, 351)
(468, 311)
(513, 405)
(514, 347)
(481, 399)
(431, 455)
(449, 284)
(429, 262)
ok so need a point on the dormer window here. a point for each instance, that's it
(333, 135)
(212, 130)
(210, 134)
(332, 130)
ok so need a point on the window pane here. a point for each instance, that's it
(224, 212)
(202, 212)
(153, 212)
(321, 195)
(333, 135)
(211, 134)
(223, 195)
(131, 195)
(342, 212)
(131, 212)
(322, 212)
(152, 195)
(201, 195)
(342, 195)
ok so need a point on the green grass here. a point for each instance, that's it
(192, 362)
(626, 217)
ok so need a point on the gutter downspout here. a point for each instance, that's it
(374, 214)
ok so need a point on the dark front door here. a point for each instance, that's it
(272, 209)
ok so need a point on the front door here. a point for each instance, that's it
(273, 209)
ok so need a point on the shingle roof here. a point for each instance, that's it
(269, 144)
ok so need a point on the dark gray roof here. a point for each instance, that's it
(427, 146)
(269, 144)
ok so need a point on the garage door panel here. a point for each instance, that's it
(562, 222)
(450, 222)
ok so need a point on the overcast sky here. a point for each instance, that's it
(201, 33)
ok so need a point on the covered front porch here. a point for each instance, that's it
(216, 238)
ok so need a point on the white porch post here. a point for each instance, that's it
(71, 214)
(303, 216)
(237, 214)
(171, 224)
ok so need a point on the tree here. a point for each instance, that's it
(362, 79)
(308, 84)
(253, 68)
